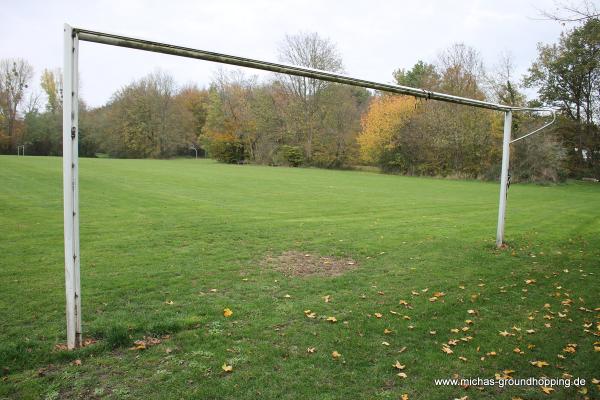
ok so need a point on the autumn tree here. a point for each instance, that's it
(15, 75)
(51, 83)
(312, 51)
(381, 137)
(146, 120)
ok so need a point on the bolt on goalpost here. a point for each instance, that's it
(72, 36)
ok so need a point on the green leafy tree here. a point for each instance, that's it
(567, 76)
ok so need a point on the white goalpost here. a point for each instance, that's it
(72, 36)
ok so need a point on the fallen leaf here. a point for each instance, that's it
(546, 390)
(402, 375)
(77, 362)
(399, 366)
(378, 315)
(311, 350)
(169, 302)
(539, 364)
(404, 397)
(332, 319)
(385, 343)
(139, 345)
(227, 313)
(327, 298)
(227, 368)
(335, 354)
(387, 331)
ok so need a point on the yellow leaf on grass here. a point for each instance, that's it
(518, 350)
(311, 350)
(227, 313)
(505, 333)
(404, 397)
(530, 281)
(335, 354)
(310, 314)
(447, 349)
(399, 366)
(332, 319)
(539, 364)
(385, 343)
(402, 375)
(227, 368)
(378, 315)
(570, 349)
(546, 390)
(387, 331)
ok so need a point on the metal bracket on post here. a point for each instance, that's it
(71, 187)
(504, 177)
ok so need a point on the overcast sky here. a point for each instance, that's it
(373, 37)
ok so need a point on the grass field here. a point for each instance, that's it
(166, 246)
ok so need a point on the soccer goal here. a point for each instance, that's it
(73, 35)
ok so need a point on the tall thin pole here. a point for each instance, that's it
(504, 178)
(71, 187)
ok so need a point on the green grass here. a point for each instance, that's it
(159, 231)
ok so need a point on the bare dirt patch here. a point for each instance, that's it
(295, 263)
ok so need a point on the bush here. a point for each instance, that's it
(290, 155)
(227, 149)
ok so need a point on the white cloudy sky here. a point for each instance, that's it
(374, 37)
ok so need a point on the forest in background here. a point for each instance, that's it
(295, 121)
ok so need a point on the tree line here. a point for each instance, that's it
(288, 120)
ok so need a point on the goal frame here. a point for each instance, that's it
(73, 35)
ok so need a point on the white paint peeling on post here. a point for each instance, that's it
(504, 177)
(71, 187)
